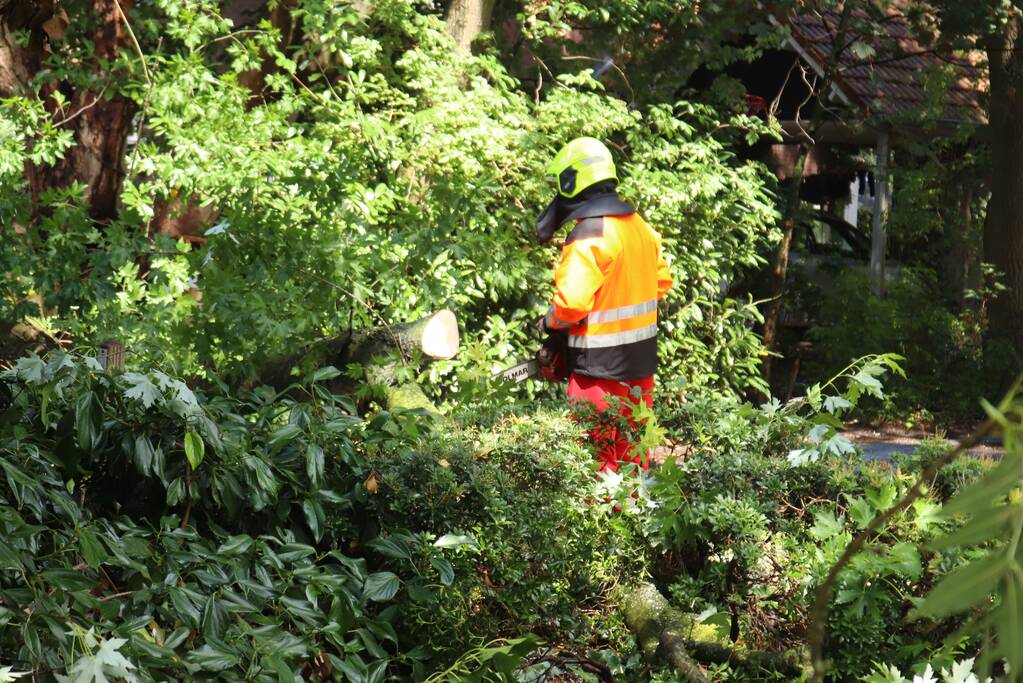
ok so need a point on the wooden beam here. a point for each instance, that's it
(877, 234)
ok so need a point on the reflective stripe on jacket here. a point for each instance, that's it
(611, 276)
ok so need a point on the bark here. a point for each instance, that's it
(24, 337)
(466, 19)
(434, 337)
(662, 630)
(658, 631)
(281, 19)
(1003, 229)
(960, 270)
(102, 118)
(793, 203)
(19, 62)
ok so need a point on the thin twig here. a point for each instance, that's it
(134, 40)
(114, 596)
(232, 36)
(369, 308)
(549, 72)
(142, 118)
(85, 108)
(817, 628)
(799, 109)
(772, 112)
(632, 93)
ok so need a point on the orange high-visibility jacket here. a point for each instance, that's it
(611, 276)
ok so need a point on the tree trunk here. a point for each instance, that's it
(467, 19)
(781, 260)
(102, 119)
(1003, 230)
(793, 204)
(18, 62)
(960, 270)
(435, 337)
(659, 630)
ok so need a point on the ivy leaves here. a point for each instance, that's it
(153, 594)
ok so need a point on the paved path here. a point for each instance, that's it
(881, 445)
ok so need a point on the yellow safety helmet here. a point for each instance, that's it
(580, 164)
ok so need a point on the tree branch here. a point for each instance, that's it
(822, 596)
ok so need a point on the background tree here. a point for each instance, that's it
(995, 29)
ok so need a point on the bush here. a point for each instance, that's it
(544, 552)
(195, 535)
(943, 351)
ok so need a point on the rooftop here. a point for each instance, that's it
(886, 75)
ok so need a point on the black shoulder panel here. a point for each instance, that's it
(587, 227)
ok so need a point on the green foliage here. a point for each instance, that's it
(944, 355)
(760, 505)
(377, 176)
(305, 539)
(496, 661)
(657, 45)
(957, 672)
(146, 527)
(542, 551)
(992, 523)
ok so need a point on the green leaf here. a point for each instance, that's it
(279, 667)
(836, 404)
(325, 373)
(314, 463)
(141, 389)
(195, 449)
(454, 541)
(186, 610)
(145, 455)
(391, 546)
(966, 587)
(93, 551)
(236, 545)
(994, 485)
(209, 658)
(68, 579)
(444, 568)
(860, 512)
(420, 593)
(984, 526)
(214, 618)
(105, 661)
(825, 525)
(284, 435)
(381, 586)
(371, 643)
(88, 420)
(314, 517)
(1009, 621)
(906, 558)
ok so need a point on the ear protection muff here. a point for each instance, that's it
(566, 180)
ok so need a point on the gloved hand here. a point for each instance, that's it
(552, 356)
(541, 326)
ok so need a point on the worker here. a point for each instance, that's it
(608, 283)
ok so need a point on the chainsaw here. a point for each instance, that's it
(550, 362)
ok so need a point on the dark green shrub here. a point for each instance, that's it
(543, 550)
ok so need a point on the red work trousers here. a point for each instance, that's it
(612, 446)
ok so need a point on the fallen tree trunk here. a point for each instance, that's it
(662, 630)
(22, 337)
(657, 629)
(435, 337)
